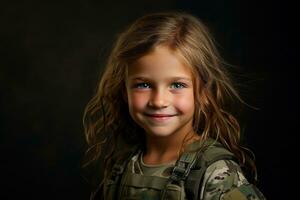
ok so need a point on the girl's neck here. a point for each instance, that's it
(161, 150)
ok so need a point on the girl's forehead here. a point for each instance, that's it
(162, 61)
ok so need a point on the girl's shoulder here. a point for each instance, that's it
(220, 177)
(225, 180)
(223, 176)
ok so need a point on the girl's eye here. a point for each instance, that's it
(178, 85)
(142, 85)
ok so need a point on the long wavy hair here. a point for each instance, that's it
(106, 117)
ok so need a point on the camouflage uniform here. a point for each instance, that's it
(222, 179)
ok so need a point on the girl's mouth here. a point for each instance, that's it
(160, 117)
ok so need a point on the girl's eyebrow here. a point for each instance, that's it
(175, 78)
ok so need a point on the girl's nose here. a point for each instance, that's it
(159, 99)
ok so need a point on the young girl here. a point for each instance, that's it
(162, 118)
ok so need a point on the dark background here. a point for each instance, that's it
(52, 53)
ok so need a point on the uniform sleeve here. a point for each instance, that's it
(219, 178)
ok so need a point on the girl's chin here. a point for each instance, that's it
(159, 133)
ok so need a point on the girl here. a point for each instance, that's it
(162, 117)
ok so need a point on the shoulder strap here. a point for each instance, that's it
(191, 166)
(116, 174)
(181, 171)
(213, 152)
(183, 166)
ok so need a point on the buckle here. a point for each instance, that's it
(179, 173)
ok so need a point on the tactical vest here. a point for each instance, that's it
(184, 183)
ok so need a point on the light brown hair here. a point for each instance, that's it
(106, 117)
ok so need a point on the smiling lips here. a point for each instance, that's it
(160, 117)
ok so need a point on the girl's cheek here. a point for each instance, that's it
(138, 100)
(185, 103)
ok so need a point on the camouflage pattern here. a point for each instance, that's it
(145, 182)
(223, 180)
(221, 177)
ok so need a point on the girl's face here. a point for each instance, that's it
(160, 96)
